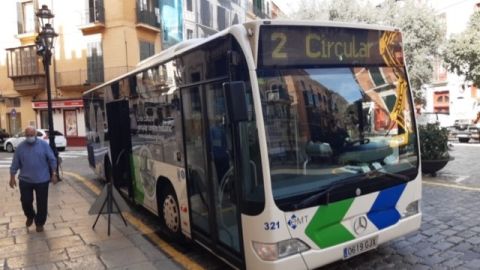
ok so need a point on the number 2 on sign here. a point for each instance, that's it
(271, 226)
(282, 39)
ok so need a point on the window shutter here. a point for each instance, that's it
(20, 19)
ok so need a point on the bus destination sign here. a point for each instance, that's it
(306, 45)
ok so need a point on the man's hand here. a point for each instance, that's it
(12, 183)
(54, 179)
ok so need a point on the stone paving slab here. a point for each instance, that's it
(68, 241)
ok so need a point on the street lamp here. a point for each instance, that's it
(44, 44)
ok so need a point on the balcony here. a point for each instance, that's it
(83, 79)
(93, 20)
(25, 69)
(257, 12)
(260, 13)
(147, 20)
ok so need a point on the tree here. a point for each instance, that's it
(422, 29)
(462, 51)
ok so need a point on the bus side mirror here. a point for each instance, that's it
(235, 99)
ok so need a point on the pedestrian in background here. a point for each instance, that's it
(37, 164)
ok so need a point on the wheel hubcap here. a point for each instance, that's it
(170, 213)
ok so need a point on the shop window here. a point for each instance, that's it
(44, 119)
(71, 123)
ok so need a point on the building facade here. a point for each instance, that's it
(449, 93)
(98, 40)
(187, 19)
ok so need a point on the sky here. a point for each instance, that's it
(287, 5)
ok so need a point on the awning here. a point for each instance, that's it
(57, 104)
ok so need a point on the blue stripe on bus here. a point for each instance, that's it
(383, 212)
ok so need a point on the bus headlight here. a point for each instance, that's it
(412, 209)
(282, 249)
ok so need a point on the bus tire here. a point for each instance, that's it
(169, 211)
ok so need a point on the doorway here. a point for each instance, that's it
(211, 168)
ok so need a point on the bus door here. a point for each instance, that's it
(120, 144)
(210, 165)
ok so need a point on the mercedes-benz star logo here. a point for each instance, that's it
(360, 224)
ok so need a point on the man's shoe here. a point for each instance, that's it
(29, 222)
(39, 228)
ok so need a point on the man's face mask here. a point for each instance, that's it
(31, 139)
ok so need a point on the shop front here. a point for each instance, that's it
(68, 118)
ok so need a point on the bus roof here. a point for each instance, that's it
(187, 44)
(327, 24)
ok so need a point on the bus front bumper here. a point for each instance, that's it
(317, 258)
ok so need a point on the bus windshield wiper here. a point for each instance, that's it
(314, 199)
(310, 200)
(380, 172)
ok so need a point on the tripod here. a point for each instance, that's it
(111, 196)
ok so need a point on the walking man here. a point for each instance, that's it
(37, 164)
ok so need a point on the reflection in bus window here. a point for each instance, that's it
(331, 123)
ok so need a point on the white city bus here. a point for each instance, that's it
(273, 144)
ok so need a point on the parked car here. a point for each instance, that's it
(3, 135)
(11, 143)
(464, 130)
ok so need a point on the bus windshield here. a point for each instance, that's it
(324, 125)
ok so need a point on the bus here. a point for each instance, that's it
(273, 144)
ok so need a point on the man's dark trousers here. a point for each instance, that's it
(41, 195)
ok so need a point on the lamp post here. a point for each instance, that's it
(44, 44)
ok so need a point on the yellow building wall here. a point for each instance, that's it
(120, 39)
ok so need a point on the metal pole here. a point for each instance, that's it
(51, 136)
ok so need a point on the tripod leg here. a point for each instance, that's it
(110, 197)
(119, 211)
(100, 212)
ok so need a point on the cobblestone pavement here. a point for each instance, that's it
(68, 241)
(465, 168)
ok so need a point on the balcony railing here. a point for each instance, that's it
(93, 20)
(94, 15)
(24, 61)
(25, 69)
(257, 11)
(88, 77)
(147, 17)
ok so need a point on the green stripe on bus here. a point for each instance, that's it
(326, 229)
(138, 191)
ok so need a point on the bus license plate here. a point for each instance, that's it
(360, 247)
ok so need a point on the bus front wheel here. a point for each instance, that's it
(169, 212)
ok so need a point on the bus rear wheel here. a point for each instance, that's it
(170, 212)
